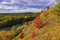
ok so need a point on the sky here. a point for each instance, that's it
(19, 6)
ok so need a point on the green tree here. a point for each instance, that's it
(56, 10)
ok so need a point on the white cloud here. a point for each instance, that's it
(28, 10)
(50, 2)
(55, 2)
(7, 7)
(22, 10)
(26, 4)
(30, 2)
(4, 2)
(34, 2)
(12, 1)
(0, 6)
(10, 7)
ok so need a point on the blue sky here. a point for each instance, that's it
(18, 6)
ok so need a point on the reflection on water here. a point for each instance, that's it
(16, 25)
(9, 27)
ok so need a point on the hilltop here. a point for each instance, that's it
(50, 31)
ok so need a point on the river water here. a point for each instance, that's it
(16, 26)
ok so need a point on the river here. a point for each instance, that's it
(15, 25)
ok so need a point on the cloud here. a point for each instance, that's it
(34, 2)
(29, 3)
(57, 0)
(25, 5)
(4, 2)
(8, 2)
(8, 7)
(21, 11)
(29, 10)
(12, 1)
(51, 2)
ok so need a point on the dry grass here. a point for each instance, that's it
(51, 31)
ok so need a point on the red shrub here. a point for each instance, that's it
(34, 34)
(38, 22)
(21, 36)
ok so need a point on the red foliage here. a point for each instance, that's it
(34, 34)
(21, 35)
(38, 22)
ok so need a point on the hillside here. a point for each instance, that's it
(50, 31)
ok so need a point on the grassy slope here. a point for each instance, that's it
(52, 29)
